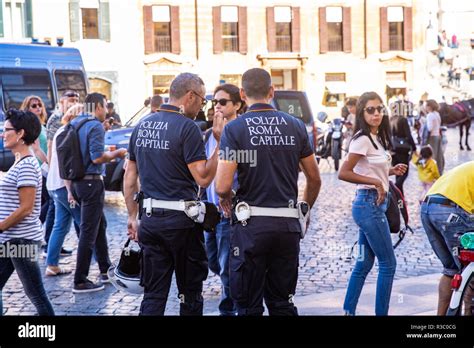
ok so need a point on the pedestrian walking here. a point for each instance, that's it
(403, 143)
(268, 219)
(167, 155)
(20, 205)
(66, 208)
(446, 213)
(68, 99)
(433, 127)
(89, 193)
(369, 165)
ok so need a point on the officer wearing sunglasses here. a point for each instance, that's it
(167, 153)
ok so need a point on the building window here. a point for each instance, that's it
(335, 89)
(161, 83)
(229, 23)
(162, 28)
(90, 23)
(17, 21)
(89, 20)
(395, 28)
(335, 29)
(232, 79)
(283, 28)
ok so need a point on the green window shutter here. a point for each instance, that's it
(104, 25)
(1, 19)
(74, 25)
(29, 18)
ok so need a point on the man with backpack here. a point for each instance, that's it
(88, 189)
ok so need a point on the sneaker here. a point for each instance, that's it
(104, 278)
(86, 287)
(65, 252)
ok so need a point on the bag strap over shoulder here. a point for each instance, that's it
(81, 123)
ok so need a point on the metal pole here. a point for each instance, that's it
(196, 28)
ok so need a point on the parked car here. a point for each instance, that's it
(294, 103)
(39, 70)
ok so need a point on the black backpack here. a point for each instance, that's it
(397, 207)
(71, 166)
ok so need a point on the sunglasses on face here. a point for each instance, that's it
(203, 100)
(72, 95)
(371, 109)
(35, 106)
(222, 102)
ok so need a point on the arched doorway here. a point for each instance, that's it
(102, 86)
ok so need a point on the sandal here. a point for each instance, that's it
(60, 271)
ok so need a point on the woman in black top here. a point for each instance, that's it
(402, 152)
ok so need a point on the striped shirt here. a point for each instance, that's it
(25, 173)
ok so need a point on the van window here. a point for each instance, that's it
(71, 80)
(290, 106)
(17, 84)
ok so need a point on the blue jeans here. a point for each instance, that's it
(64, 214)
(218, 249)
(29, 273)
(444, 235)
(374, 241)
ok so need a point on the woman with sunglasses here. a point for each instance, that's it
(20, 197)
(369, 165)
(35, 105)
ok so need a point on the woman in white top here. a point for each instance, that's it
(369, 165)
(433, 125)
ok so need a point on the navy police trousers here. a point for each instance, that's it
(263, 265)
(166, 250)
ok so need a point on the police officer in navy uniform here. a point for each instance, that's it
(167, 154)
(265, 243)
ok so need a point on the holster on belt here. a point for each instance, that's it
(138, 197)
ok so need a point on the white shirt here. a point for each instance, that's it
(375, 164)
(433, 122)
(54, 181)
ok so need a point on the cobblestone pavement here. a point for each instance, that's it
(323, 263)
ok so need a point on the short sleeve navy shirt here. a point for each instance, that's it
(267, 145)
(162, 145)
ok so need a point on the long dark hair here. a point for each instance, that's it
(362, 128)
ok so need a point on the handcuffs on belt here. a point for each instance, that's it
(243, 212)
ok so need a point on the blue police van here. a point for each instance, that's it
(39, 70)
